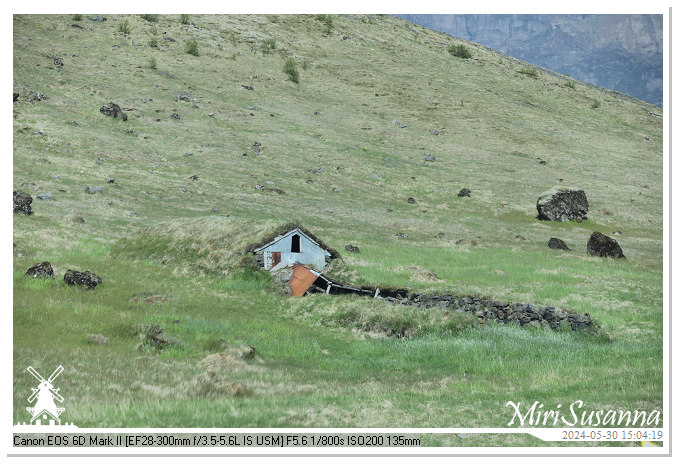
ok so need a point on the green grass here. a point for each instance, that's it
(316, 364)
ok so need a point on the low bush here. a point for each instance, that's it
(184, 19)
(124, 27)
(192, 47)
(268, 45)
(290, 68)
(529, 71)
(150, 17)
(460, 51)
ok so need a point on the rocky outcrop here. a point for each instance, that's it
(41, 270)
(563, 204)
(113, 110)
(603, 246)
(86, 279)
(557, 244)
(22, 202)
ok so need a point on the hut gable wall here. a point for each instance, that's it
(309, 251)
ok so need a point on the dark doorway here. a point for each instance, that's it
(296, 245)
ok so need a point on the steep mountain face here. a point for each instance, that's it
(619, 52)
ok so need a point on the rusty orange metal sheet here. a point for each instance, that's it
(302, 279)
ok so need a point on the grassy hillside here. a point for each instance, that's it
(340, 151)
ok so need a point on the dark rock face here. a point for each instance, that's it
(604, 246)
(563, 204)
(557, 244)
(111, 109)
(352, 249)
(22, 202)
(86, 278)
(41, 270)
(465, 192)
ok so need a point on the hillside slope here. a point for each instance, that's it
(615, 51)
(382, 112)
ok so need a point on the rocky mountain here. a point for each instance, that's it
(619, 52)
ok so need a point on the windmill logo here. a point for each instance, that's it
(45, 411)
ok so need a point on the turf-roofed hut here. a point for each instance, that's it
(291, 244)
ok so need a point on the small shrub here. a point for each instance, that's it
(305, 65)
(124, 27)
(77, 17)
(153, 64)
(460, 51)
(153, 30)
(290, 68)
(268, 45)
(184, 19)
(153, 42)
(150, 17)
(327, 23)
(596, 104)
(192, 47)
(570, 84)
(529, 71)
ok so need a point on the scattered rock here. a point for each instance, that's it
(352, 249)
(58, 62)
(434, 132)
(401, 235)
(76, 26)
(429, 157)
(563, 204)
(175, 116)
(520, 237)
(45, 196)
(193, 177)
(464, 241)
(16, 97)
(34, 96)
(397, 123)
(248, 87)
(86, 278)
(111, 180)
(41, 270)
(257, 147)
(97, 339)
(112, 109)
(604, 246)
(92, 190)
(22, 202)
(557, 244)
(97, 18)
(411, 200)
(465, 192)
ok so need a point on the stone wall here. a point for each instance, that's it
(502, 312)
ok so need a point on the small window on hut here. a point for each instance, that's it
(296, 246)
